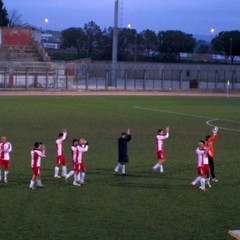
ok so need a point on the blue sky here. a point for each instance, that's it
(195, 17)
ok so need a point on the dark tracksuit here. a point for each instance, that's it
(122, 148)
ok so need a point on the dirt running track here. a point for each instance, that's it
(116, 93)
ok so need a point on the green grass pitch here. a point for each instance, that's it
(142, 205)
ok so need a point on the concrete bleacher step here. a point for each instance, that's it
(17, 48)
(22, 60)
(19, 57)
(32, 67)
(19, 53)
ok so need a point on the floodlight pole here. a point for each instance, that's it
(115, 45)
(228, 84)
(231, 58)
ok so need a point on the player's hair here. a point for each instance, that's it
(160, 130)
(201, 141)
(74, 140)
(36, 144)
(60, 134)
(208, 136)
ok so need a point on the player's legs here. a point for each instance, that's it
(207, 172)
(161, 160)
(71, 173)
(118, 167)
(202, 181)
(161, 165)
(32, 182)
(156, 166)
(82, 173)
(0, 170)
(6, 176)
(198, 178)
(212, 169)
(39, 182)
(123, 169)
(77, 176)
(82, 176)
(64, 170)
(58, 164)
(6, 164)
(34, 176)
(38, 179)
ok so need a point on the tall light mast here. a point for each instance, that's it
(115, 44)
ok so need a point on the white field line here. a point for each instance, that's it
(223, 128)
(208, 122)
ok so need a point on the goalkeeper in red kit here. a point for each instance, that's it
(210, 139)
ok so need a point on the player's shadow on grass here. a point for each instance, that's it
(141, 185)
(136, 174)
(138, 179)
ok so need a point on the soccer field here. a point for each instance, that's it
(142, 205)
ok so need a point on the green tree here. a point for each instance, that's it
(74, 38)
(227, 43)
(107, 39)
(94, 41)
(126, 43)
(202, 47)
(172, 42)
(3, 15)
(149, 41)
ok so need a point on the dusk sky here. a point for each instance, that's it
(194, 17)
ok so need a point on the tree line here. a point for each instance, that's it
(90, 41)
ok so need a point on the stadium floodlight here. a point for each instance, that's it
(46, 22)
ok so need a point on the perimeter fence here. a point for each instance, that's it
(92, 78)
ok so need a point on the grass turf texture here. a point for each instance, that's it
(142, 205)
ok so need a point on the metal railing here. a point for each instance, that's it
(126, 79)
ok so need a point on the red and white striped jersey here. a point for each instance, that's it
(205, 159)
(200, 156)
(60, 145)
(74, 152)
(81, 149)
(159, 141)
(36, 156)
(5, 149)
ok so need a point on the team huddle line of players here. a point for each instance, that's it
(79, 146)
(204, 152)
(205, 164)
